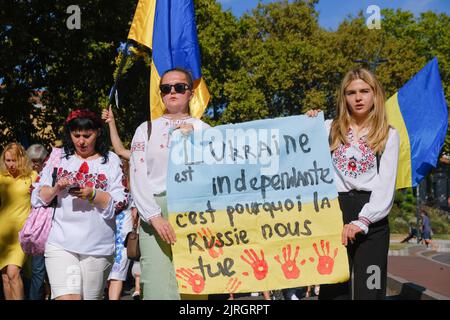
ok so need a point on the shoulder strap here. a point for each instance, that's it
(55, 160)
(55, 199)
(329, 138)
(149, 129)
(378, 155)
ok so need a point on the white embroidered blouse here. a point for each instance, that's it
(149, 162)
(78, 225)
(355, 168)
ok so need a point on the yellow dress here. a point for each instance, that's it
(15, 204)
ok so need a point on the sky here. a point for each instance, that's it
(332, 12)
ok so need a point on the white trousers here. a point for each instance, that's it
(72, 273)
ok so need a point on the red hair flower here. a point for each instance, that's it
(83, 113)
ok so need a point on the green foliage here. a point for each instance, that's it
(399, 197)
(217, 30)
(403, 211)
(276, 61)
(439, 219)
(279, 53)
(74, 67)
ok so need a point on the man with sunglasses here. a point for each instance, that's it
(148, 173)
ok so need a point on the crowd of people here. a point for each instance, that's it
(99, 194)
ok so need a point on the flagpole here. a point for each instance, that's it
(418, 212)
(125, 54)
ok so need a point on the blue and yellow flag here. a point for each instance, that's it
(419, 113)
(168, 28)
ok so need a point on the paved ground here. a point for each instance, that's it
(443, 258)
(424, 272)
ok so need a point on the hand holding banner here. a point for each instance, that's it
(255, 208)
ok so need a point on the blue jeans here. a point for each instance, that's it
(37, 278)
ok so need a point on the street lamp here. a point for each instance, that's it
(372, 64)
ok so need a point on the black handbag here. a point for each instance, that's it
(132, 244)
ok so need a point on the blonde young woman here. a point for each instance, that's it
(364, 155)
(16, 177)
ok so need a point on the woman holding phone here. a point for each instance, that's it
(90, 190)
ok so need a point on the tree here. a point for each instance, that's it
(73, 68)
(217, 31)
(408, 43)
(276, 61)
(280, 55)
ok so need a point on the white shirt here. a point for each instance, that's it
(355, 168)
(149, 162)
(78, 225)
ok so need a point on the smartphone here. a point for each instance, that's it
(73, 189)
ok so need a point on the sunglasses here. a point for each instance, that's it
(179, 88)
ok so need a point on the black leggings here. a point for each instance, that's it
(367, 256)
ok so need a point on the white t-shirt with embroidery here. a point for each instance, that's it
(149, 162)
(355, 168)
(78, 225)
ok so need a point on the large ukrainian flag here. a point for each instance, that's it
(419, 113)
(168, 28)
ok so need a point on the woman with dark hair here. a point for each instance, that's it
(78, 121)
(90, 189)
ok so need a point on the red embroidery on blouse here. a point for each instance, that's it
(354, 165)
(84, 168)
(92, 180)
(138, 146)
(95, 180)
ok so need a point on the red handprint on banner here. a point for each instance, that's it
(210, 239)
(326, 263)
(233, 285)
(259, 266)
(289, 267)
(195, 280)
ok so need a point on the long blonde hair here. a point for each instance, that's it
(376, 121)
(24, 167)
